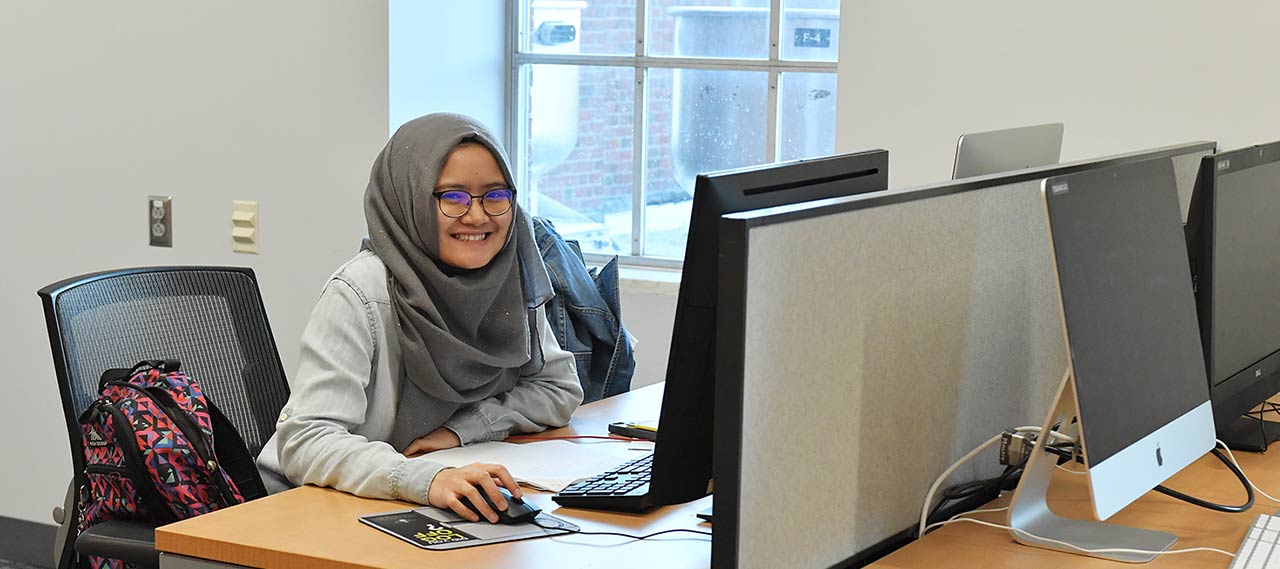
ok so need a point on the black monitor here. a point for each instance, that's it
(1233, 233)
(682, 458)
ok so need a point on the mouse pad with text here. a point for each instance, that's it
(432, 528)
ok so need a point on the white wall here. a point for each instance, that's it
(1121, 75)
(285, 102)
(448, 56)
(649, 312)
(102, 104)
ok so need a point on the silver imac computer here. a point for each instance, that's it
(983, 153)
(1135, 379)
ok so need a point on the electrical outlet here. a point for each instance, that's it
(160, 220)
(244, 226)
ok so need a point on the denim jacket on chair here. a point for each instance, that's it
(586, 315)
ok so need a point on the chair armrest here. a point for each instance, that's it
(132, 542)
(65, 517)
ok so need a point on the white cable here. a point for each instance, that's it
(986, 511)
(1246, 477)
(928, 498)
(957, 516)
(1071, 471)
(1056, 434)
(1081, 549)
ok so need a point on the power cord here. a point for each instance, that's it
(990, 487)
(611, 438)
(628, 536)
(1246, 479)
(1259, 415)
(1248, 488)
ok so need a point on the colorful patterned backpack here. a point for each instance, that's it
(150, 451)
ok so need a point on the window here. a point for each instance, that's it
(618, 105)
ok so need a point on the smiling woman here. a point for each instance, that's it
(470, 237)
(435, 335)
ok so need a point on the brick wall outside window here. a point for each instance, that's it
(597, 176)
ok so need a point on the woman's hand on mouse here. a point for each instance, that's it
(452, 484)
(438, 439)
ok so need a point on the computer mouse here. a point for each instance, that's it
(518, 511)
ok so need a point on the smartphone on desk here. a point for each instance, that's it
(634, 430)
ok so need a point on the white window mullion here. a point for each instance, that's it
(638, 163)
(517, 112)
(639, 172)
(771, 119)
(675, 62)
(519, 129)
(775, 31)
(642, 27)
(775, 55)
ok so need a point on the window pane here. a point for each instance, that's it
(698, 121)
(605, 27)
(709, 28)
(581, 128)
(806, 115)
(810, 30)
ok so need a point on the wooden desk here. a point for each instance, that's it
(317, 527)
(970, 545)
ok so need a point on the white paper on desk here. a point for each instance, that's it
(545, 465)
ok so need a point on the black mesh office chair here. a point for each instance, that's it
(210, 318)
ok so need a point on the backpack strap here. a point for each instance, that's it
(234, 456)
(123, 374)
(136, 466)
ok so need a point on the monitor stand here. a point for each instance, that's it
(1250, 434)
(1031, 518)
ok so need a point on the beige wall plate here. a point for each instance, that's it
(244, 226)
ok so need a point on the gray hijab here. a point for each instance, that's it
(464, 335)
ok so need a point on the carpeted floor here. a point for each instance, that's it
(6, 564)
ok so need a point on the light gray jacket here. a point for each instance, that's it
(342, 407)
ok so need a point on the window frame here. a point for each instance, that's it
(520, 58)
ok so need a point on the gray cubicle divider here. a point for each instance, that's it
(868, 342)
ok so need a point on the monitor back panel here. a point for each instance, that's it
(995, 151)
(874, 347)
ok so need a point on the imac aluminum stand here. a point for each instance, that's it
(1031, 518)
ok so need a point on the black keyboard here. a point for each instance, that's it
(625, 488)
